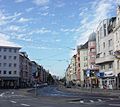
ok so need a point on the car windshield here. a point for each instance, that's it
(60, 53)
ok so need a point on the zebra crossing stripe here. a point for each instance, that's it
(81, 101)
(99, 100)
(91, 101)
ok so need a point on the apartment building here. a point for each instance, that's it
(116, 32)
(9, 66)
(83, 62)
(25, 70)
(78, 65)
(93, 69)
(105, 48)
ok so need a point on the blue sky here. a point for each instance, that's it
(48, 30)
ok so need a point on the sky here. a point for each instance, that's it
(50, 30)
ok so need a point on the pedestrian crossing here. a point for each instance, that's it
(9, 94)
(89, 101)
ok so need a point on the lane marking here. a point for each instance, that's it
(91, 101)
(118, 105)
(111, 98)
(2, 94)
(99, 100)
(81, 101)
(74, 102)
(25, 105)
(12, 92)
(13, 102)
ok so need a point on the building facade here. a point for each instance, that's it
(105, 57)
(9, 67)
(116, 32)
(25, 70)
(83, 62)
(92, 70)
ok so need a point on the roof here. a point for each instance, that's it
(92, 37)
(85, 46)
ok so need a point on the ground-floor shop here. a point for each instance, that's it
(107, 83)
(9, 82)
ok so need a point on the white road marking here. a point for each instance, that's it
(81, 101)
(25, 105)
(91, 101)
(118, 105)
(74, 102)
(2, 94)
(13, 102)
(99, 100)
(12, 92)
(111, 99)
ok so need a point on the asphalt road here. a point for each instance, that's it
(51, 97)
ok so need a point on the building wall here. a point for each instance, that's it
(73, 69)
(83, 62)
(9, 67)
(9, 61)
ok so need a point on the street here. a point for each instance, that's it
(51, 97)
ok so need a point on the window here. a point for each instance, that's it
(15, 50)
(5, 49)
(4, 64)
(101, 32)
(10, 72)
(103, 54)
(103, 67)
(10, 50)
(10, 57)
(0, 56)
(104, 29)
(15, 57)
(116, 36)
(0, 64)
(15, 65)
(103, 44)
(10, 64)
(110, 66)
(4, 72)
(4, 57)
(0, 72)
(118, 64)
(15, 72)
(110, 52)
(110, 42)
(92, 50)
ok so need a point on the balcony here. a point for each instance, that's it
(104, 59)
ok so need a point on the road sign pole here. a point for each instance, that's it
(35, 87)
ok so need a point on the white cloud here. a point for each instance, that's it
(100, 10)
(91, 18)
(45, 14)
(19, 1)
(22, 20)
(4, 41)
(60, 4)
(40, 31)
(57, 40)
(6, 18)
(14, 28)
(29, 9)
(41, 2)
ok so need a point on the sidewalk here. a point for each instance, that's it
(91, 91)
